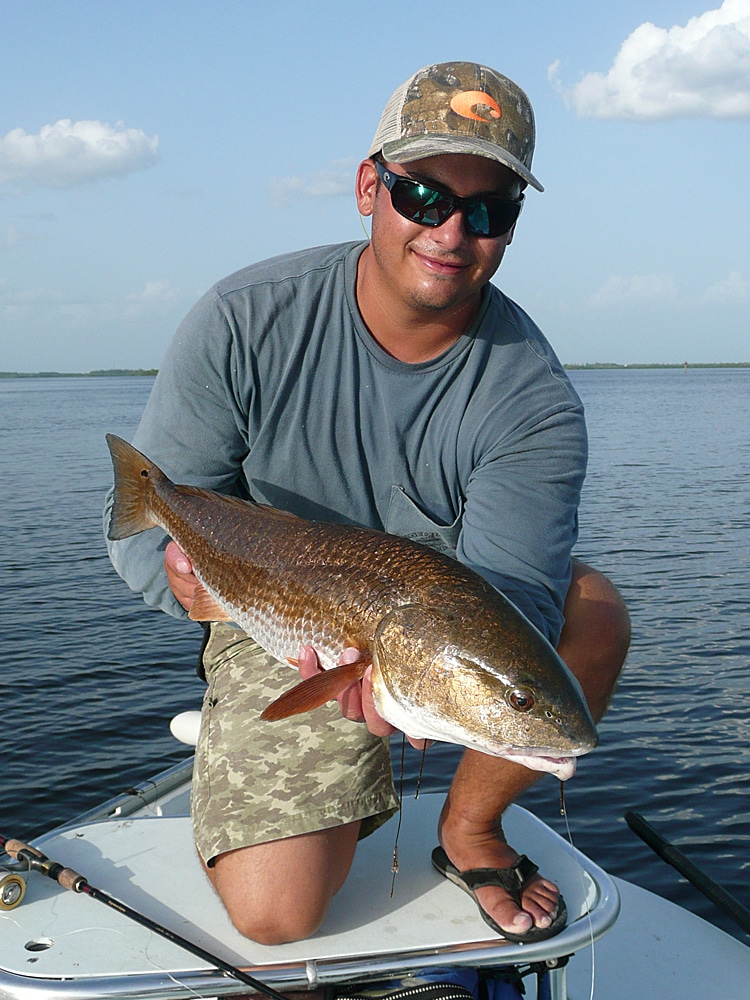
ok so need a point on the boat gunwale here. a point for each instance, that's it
(292, 976)
(130, 801)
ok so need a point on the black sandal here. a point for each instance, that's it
(513, 880)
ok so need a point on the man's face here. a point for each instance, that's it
(440, 268)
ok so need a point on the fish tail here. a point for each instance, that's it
(316, 691)
(134, 486)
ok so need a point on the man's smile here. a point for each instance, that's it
(439, 264)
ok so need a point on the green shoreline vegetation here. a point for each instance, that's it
(685, 364)
(102, 373)
(114, 372)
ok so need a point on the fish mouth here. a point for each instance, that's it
(562, 764)
(562, 767)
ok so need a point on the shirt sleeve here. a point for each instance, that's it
(520, 519)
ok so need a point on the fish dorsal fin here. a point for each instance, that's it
(317, 690)
(206, 608)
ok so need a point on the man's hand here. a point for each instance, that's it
(356, 702)
(180, 574)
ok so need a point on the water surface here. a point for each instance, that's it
(91, 676)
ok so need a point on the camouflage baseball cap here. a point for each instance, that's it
(459, 107)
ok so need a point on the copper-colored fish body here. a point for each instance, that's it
(452, 658)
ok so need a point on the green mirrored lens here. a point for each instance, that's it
(477, 218)
(419, 203)
(428, 207)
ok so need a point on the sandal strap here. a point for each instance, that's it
(512, 878)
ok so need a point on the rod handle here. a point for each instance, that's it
(12, 847)
(39, 862)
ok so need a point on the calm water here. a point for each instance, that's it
(90, 676)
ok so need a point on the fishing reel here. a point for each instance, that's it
(13, 884)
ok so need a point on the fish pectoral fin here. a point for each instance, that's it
(316, 691)
(206, 608)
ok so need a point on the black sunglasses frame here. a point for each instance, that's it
(497, 215)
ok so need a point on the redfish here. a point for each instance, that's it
(452, 658)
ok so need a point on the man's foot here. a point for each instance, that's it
(517, 902)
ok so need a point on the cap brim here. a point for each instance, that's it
(418, 147)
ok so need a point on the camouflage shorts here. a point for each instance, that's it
(257, 781)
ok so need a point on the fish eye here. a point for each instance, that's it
(520, 700)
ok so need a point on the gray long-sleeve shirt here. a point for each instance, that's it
(273, 389)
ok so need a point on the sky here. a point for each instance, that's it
(148, 149)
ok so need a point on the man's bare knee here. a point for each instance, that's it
(267, 911)
(280, 891)
(272, 927)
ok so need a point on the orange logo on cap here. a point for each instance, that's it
(469, 102)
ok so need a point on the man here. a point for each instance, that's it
(385, 384)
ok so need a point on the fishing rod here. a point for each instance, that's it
(70, 879)
(718, 895)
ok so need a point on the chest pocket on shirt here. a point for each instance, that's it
(406, 519)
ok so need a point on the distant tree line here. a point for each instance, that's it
(685, 364)
(109, 372)
(99, 373)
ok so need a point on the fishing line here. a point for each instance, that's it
(579, 869)
(181, 985)
(147, 956)
(421, 770)
(394, 864)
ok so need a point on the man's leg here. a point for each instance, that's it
(277, 807)
(280, 891)
(593, 643)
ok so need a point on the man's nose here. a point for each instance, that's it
(452, 232)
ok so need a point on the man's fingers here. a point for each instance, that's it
(356, 702)
(375, 721)
(350, 655)
(175, 559)
(180, 575)
(350, 700)
(307, 662)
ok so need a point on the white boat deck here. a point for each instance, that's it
(658, 951)
(57, 943)
(139, 849)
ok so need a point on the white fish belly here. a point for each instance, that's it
(282, 638)
(423, 725)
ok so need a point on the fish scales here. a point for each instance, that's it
(290, 581)
(452, 658)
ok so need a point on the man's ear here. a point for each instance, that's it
(366, 186)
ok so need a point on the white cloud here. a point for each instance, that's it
(331, 183)
(69, 153)
(701, 70)
(733, 290)
(662, 290)
(154, 291)
(155, 297)
(13, 236)
(636, 290)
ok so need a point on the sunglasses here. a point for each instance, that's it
(486, 215)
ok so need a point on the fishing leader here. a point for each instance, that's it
(388, 384)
